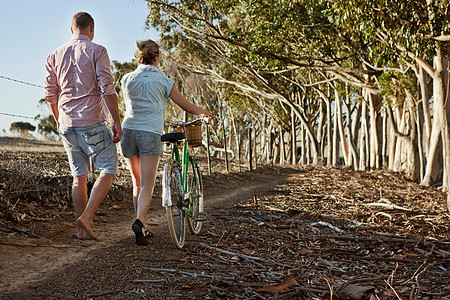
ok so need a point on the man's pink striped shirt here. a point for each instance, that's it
(78, 74)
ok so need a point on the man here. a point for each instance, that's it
(78, 88)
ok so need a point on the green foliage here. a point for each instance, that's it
(261, 51)
(119, 70)
(392, 86)
(47, 126)
(398, 27)
(22, 127)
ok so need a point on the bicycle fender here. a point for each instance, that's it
(166, 198)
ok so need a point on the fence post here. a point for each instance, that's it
(269, 146)
(293, 139)
(250, 156)
(255, 150)
(225, 143)
(207, 149)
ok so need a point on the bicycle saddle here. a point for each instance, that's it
(173, 136)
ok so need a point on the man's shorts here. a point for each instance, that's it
(139, 142)
(95, 141)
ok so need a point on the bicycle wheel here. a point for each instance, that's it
(195, 188)
(175, 212)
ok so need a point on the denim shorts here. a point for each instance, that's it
(139, 142)
(95, 141)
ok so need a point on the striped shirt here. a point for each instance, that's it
(78, 74)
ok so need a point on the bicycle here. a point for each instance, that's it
(182, 183)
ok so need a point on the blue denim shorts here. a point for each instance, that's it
(139, 142)
(95, 141)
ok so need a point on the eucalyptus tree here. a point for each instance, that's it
(259, 40)
(119, 70)
(416, 34)
(265, 48)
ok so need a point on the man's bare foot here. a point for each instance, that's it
(80, 234)
(88, 231)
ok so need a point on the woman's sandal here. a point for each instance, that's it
(141, 238)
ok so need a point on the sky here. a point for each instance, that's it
(31, 30)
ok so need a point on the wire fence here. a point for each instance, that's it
(21, 81)
(13, 115)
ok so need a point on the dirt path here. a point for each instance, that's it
(311, 227)
(28, 263)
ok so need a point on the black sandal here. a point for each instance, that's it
(141, 238)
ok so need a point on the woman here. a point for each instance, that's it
(146, 92)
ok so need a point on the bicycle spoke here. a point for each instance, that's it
(195, 188)
(175, 212)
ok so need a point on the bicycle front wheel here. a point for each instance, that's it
(195, 188)
(175, 212)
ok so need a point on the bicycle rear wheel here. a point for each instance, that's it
(195, 188)
(175, 213)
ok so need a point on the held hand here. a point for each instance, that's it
(209, 116)
(117, 133)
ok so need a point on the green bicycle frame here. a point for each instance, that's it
(184, 160)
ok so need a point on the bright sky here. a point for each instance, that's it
(31, 30)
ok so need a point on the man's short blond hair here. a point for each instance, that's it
(82, 20)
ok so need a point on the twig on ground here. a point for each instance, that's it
(230, 253)
(148, 280)
(189, 274)
(105, 293)
(328, 225)
(36, 245)
(392, 288)
(387, 204)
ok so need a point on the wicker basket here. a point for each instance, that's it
(193, 134)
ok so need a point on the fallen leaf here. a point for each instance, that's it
(280, 287)
(356, 292)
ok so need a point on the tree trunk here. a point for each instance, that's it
(398, 125)
(353, 155)
(336, 160)
(270, 145)
(375, 128)
(433, 168)
(426, 110)
(302, 146)
(282, 147)
(441, 92)
(308, 149)
(320, 125)
(384, 141)
(293, 139)
(329, 136)
(363, 150)
(237, 137)
(340, 123)
(413, 148)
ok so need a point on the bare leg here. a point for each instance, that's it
(133, 166)
(148, 167)
(80, 199)
(98, 193)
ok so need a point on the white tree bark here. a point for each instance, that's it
(375, 127)
(340, 123)
(422, 78)
(336, 160)
(363, 144)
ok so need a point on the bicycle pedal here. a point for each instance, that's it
(200, 217)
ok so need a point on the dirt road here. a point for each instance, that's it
(281, 232)
(45, 260)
